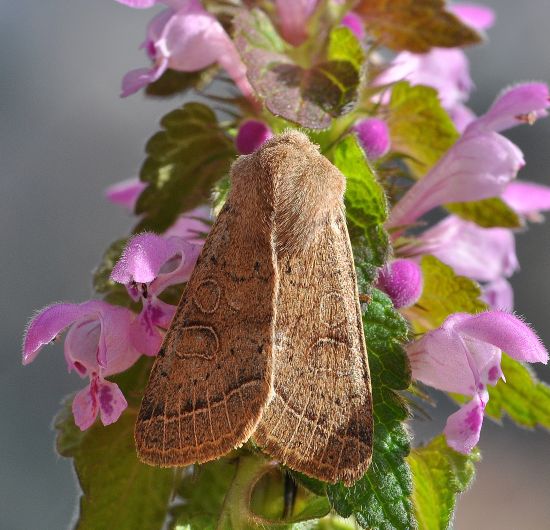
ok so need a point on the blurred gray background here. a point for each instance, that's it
(65, 135)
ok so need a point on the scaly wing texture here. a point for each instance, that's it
(213, 376)
(319, 421)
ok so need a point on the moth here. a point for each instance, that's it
(267, 341)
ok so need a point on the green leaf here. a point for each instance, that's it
(184, 161)
(173, 83)
(420, 128)
(444, 293)
(414, 25)
(118, 491)
(439, 475)
(487, 213)
(366, 206)
(310, 96)
(381, 499)
(524, 398)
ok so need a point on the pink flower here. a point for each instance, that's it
(445, 69)
(482, 162)
(185, 37)
(499, 294)
(355, 23)
(125, 193)
(528, 199)
(463, 356)
(484, 254)
(478, 166)
(477, 16)
(97, 345)
(401, 280)
(192, 226)
(374, 136)
(293, 16)
(251, 135)
(149, 264)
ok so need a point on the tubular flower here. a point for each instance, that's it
(482, 162)
(98, 344)
(463, 356)
(293, 16)
(528, 199)
(149, 264)
(125, 193)
(185, 37)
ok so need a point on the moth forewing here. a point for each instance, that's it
(319, 421)
(213, 375)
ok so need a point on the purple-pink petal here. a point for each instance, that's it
(484, 254)
(136, 79)
(507, 332)
(402, 281)
(111, 402)
(439, 359)
(464, 426)
(354, 23)
(144, 257)
(374, 137)
(85, 405)
(192, 226)
(138, 4)
(478, 166)
(527, 198)
(477, 16)
(293, 16)
(125, 193)
(523, 103)
(50, 322)
(499, 295)
(252, 134)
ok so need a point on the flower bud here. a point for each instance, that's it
(252, 134)
(374, 136)
(402, 281)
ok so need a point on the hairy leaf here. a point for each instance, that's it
(309, 96)
(381, 499)
(440, 474)
(366, 206)
(487, 213)
(524, 398)
(420, 128)
(184, 161)
(414, 25)
(118, 491)
(444, 293)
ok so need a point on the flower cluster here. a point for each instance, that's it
(461, 356)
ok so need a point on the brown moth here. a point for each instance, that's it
(268, 340)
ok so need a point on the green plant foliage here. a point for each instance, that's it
(307, 95)
(118, 491)
(381, 499)
(173, 83)
(439, 475)
(444, 293)
(183, 163)
(487, 213)
(414, 25)
(366, 208)
(420, 128)
(524, 398)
